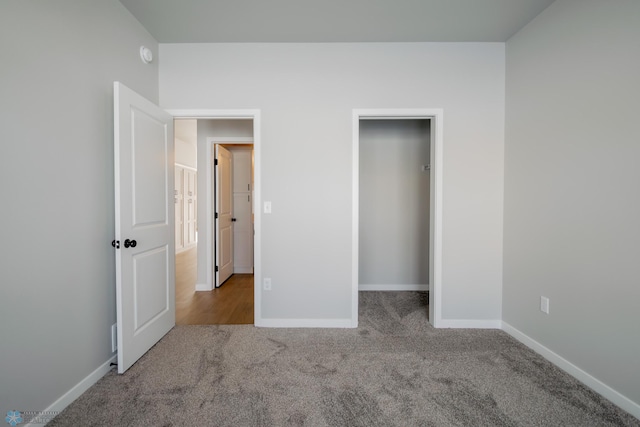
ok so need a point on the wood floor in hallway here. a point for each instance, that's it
(230, 304)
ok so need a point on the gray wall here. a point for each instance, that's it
(394, 202)
(572, 195)
(306, 93)
(59, 61)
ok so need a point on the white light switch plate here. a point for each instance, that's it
(544, 305)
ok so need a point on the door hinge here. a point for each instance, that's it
(216, 268)
(216, 215)
(215, 162)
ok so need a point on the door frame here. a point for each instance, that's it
(208, 192)
(435, 206)
(212, 141)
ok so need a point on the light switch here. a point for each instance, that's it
(544, 305)
(267, 207)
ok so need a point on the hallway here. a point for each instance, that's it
(230, 304)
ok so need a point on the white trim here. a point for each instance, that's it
(242, 270)
(470, 323)
(435, 215)
(209, 236)
(437, 161)
(211, 114)
(305, 323)
(187, 167)
(230, 139)
(257, 200)
(390, 287)
(393, 116)
(589, 380)
(77, 390)
(355, 216)
(203, 287)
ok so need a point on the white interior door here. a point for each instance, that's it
(224, 214)
(145, 263)
(242, 234)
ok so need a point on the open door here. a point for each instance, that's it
(145, 263)
(223, 214)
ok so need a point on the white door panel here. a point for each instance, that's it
(243, 233)
(145, 209)
(150, 274)
(242, 170)
(224, 212)
(149, 174)
(226, 239)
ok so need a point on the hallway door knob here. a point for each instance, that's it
(130, 243)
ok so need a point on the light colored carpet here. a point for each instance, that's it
(394, 370)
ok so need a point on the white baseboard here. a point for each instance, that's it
(389, 287)
(590, 381)
(242, 270)
(470, 323)
(304, 323)
(203, 287)
(75, 392)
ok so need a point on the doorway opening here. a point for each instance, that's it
(232, 185)
(238, 300)
(397, 204)
(394, 205)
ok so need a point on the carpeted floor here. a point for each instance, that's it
(393, 370)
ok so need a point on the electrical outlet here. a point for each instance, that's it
(266, 283)
(114, 337)
(544, 305)
(267, 207)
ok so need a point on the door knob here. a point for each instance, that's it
(116, 244)
(130, 243)
(233, 219)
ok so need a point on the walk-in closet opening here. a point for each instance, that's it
(394, 205)
(397, 205)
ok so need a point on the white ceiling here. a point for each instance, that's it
(309, 21)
